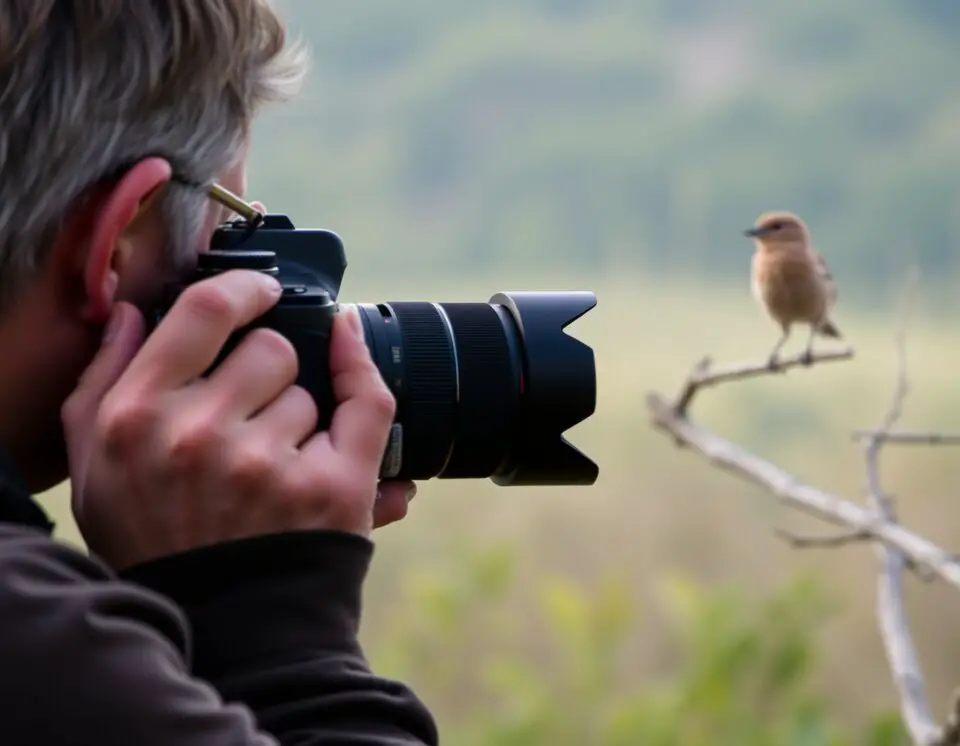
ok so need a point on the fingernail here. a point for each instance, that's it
(113, 326)
(411, 492)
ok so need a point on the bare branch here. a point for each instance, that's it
(804, 498)
(891, 615)
(702, 376)
(908, 438)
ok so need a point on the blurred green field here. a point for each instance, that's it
(657, 511)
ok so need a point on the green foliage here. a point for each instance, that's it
(738, 673)
(441, 133)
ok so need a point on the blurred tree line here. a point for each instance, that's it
(599, 134)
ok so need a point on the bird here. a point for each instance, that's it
(791, 280)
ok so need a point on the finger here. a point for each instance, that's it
(365, 410)
(393, 500)
(191, 335)
(258, 206)
(289, 420)
(253, 375)
(123, 336)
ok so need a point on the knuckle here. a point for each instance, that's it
(124, 423)
(192, 441)
(382, 401)
(72, 409)
(301, 398)
(252, 466)
(273, 344)
(302, 401)
(208, 301)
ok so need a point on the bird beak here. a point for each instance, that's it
(754, 232)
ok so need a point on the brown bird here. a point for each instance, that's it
(791, 280)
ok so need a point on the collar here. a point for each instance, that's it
(16, 503)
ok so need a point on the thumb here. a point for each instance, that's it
(122, 338)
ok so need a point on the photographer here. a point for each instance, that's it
(220, 601)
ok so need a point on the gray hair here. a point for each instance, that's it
(88, 87)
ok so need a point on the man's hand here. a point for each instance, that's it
(162, 460)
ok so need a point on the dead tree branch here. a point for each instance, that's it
(702, 376)
(897, 547)
(802, 497)
(891, 614)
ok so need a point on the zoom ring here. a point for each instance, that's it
(427, 407)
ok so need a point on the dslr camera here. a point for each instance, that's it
(483, 390)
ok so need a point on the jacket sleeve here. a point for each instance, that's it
(275, 621)
(86, 657)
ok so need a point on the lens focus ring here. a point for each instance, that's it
(489, 391)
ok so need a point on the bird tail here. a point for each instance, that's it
(829, 329)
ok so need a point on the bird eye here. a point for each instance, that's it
(776, 226)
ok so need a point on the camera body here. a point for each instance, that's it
(482, 389)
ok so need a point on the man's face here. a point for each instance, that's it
(58, 341)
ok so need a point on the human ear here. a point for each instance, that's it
(112, 219)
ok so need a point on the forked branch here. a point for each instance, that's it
(897, 547)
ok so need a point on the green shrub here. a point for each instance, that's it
(740, 672)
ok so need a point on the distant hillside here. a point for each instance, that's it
(444, 132)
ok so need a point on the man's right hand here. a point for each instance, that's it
(162, 460)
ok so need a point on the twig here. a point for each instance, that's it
(845, 538)
(908, 439)
(822, 542)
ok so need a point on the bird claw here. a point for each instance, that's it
(806, 358)
(773, 362)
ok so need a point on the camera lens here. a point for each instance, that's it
(487, 389)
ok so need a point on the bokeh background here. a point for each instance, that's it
(621, 146)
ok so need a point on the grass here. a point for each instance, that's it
(656, 509)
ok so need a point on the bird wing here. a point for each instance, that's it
(826, 277)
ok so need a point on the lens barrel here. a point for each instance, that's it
(486, 389)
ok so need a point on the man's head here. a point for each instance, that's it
(113, 115)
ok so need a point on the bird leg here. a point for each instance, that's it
(807, 357)
(773, 361)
